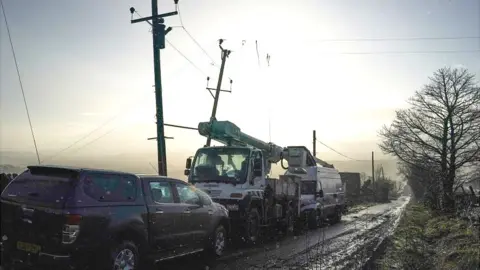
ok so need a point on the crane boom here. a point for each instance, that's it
(230, 134)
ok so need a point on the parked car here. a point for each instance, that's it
(75, 217)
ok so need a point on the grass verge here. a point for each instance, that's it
(427, 240)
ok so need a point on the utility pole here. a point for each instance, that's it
(314, 143)
(158, 34)
(373, 168)
(225, 54)
(373, 178)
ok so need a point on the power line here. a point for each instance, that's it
(409, 52)
(345, 156)
(20, 80)
(387, 39)
(83, 138)
(94, 140)
(394, 39)
(176, 49)
(102, 125)
(193, 39)
(186, 58)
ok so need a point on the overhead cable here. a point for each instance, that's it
(20, 81)
(345, 156)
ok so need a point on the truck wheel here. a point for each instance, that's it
(337, 216)
(288, 227)
(125, 256)
(218, 242)
(252, 230)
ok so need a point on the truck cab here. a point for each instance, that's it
(227, 173)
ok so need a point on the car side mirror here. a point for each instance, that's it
(186, 172)
(319, 193)
(188, 163)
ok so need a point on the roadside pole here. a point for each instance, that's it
(158, 34)
(373, 177)
(225, 54)
(314, 143)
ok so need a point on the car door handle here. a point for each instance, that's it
(210, 212)
(187, 211)
(159, 211)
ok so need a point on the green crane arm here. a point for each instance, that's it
(230, 134)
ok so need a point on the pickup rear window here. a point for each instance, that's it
(109, 187)
(42, 185)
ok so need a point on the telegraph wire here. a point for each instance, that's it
(186, 58)
(213, 63)
(389, 39)
(83, 138)
(394, 39)
(409, 52)
(94, 140)
(102, 125)
(20, 81)
(94, 130)
(176, 49)
(345, 156)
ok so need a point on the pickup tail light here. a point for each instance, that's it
(71, 229)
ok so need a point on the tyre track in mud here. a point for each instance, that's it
(352, 250)
(340, 246)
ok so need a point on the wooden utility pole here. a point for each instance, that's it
(314, 143)
(158, 34)
(225, 54)
(373, 178)
(373, 168)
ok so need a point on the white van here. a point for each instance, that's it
(322, 196)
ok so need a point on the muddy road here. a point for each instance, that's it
(346, 245)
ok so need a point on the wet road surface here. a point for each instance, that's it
(345, 245)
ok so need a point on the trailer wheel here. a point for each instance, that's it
(252, 230)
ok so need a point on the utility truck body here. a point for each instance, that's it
(236, 176)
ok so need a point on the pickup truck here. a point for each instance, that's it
(79, 218)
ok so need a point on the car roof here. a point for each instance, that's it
(156, 176)
(77, 169)
(83, 169)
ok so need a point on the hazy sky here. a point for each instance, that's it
(83, 63)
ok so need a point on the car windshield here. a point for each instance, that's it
(222, 164)
(309, 187)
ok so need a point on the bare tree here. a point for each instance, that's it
(441, 128)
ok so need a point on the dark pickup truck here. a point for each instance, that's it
(79, 218)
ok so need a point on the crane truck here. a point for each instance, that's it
(236, 175)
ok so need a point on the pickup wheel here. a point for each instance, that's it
(125, 256)
(218, 242)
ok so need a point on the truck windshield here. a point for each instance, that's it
(222, 164)
(309, 187)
